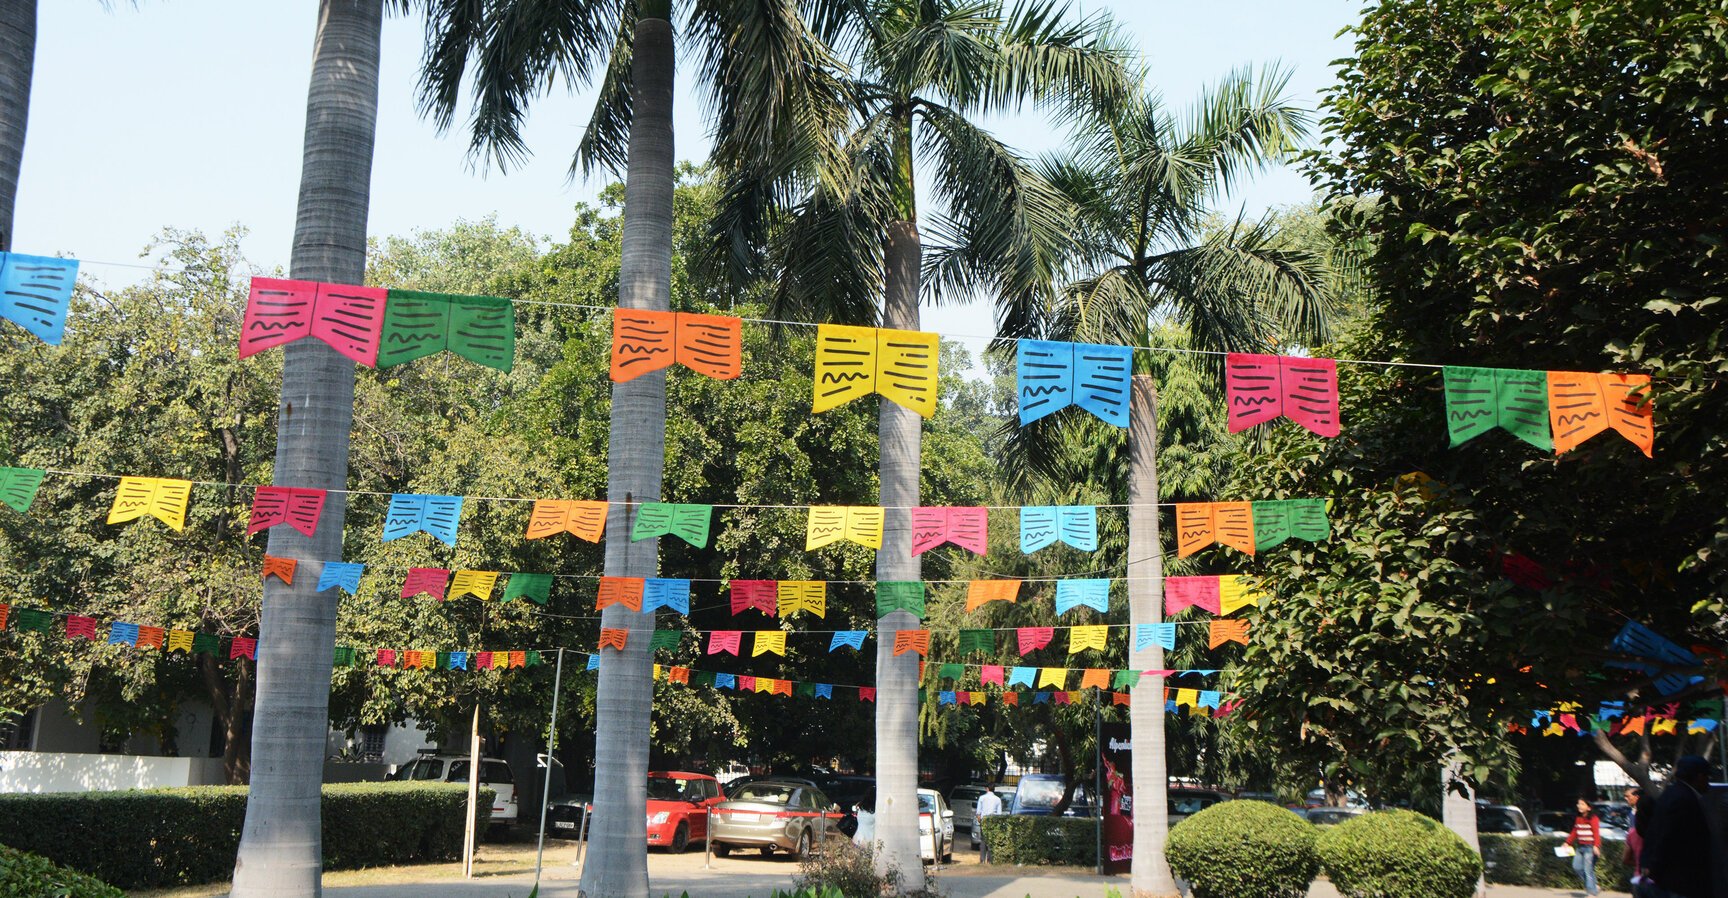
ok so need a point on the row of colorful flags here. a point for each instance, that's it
(1024, 640)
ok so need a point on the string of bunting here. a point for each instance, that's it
(140, 636)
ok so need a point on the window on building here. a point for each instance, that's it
(18, 733)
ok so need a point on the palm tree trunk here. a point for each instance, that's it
(617, 861)
(17, 62)
(281, 846)
(899, 432)
(1149, 873)
(1458, 812)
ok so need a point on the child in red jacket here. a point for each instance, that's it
(1586, 840)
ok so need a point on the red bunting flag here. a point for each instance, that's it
(867, 693)
(281, 568)
(757, 594)
(243, 647)
(298, 508)
(429, 580)
(386, 657)
(79, 626)
(1181, 593)
(992, 673)
(746, 684)
(1260, 388)
(485, 660)
(725, 641)
(4, 611)
(1118, 698)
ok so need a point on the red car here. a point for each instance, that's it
(678, 804)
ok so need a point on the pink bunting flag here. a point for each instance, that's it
(867, 693)
(243, 647)
(992, 673)
(966, 527)
(386, 657)
(1260, 388)
(757, 594)
(1190, 592)
(1033, 638)
(298, 508)
(724, 641)
(428, 580)
(79, 626)
(348, 319)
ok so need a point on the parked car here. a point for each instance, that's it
(678, 804)
(775, 815)
(564, 815)
(1554, 823)
(739, 783)
(730, 771)
(934, 815)
(1501, 819)
(1331, 816)
(964, 801)
(1038, 793)
(1186, 801)
(494, 774)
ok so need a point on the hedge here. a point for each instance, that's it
(1028, 839)
(1398, 854)
(29, 876)
(152, 838)
(1530, 861)
(1244, 849)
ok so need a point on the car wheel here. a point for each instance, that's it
(680, 838)
(803, 845)
(722, 850)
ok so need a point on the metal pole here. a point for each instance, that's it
(708, 838)
(1722, 737)
(551, 746)
(1098, 781)
(469, 836)
(582, 833)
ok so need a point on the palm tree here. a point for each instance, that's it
(836, 215)
(281, 846)
(517, 47)
(1147, 251)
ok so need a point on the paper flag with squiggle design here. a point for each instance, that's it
(158, 497)
(1481, 399)
(343, 574)
(478, 584)
(966, 527)
(584, 520)
(151, 637)
(1092, 593)
(1582, 405)
(243, 647)
(1200, 524)
(991, 673)
(1227, 630)
(536, 588)
(852, 638)
(18, 487)
(724, 641)
(852, 362)
(297, 507)
(429, 580)
(666, 592)
(1276, 520)
(1093, 637)
(1051, 376)
(180, 641)
(413, 512)
(35, 292)
(861, 524)
(614, 638)
(899, 595)
(645, 340)
(687, 522)
(981, 592)
(1033, 638)
(626, 591)
(346, 318)
(912, 641)
(118, 633)
(1044, 525)
(1260, 388)
(766, 641)
(809, 596)
(282, 568)
(1148, 635)
(481, 329)
(757, 594)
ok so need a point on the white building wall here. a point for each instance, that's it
(53, 771)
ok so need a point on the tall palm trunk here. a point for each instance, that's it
(617, 863)
(281, 846)
(1149, 873)
(17, 61)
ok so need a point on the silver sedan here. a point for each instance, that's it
(771, 815)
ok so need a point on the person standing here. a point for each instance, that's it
(1630, 855)
(1585, 839)
(988, 805)
(1677, 843)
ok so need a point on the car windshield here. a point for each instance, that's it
(1498, 820)
(1329, 816)
(926, 803)
(768, 793)
(966, 793)
(1191, 804)
(427, 769)
(1040, 793)
(665, 788)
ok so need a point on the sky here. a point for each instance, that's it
(189, 114)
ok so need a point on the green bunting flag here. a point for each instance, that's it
(536, 588)
(804, 690)
(951, 672)
(344, 656)
(977, 641)
(1125, 679)
(687, 522)
(28, 619)
(900, 595)
(206, 644)
(1481, 399)
(18, 487)
(1276, 520)
(481, 329)
(664, 639)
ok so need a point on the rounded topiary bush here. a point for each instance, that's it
(1398, 854)
(25, 875)
(1244, 849)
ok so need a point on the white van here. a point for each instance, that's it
(494, 775)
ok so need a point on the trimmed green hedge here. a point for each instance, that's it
(1027, 839)
(29, 876)
(1398, 854)
(1244, 849)
(151, 838)
(1530, 861)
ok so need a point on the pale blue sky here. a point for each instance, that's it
(189, 113)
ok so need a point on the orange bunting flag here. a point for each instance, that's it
(614, 637)
(585, 520)
(1095, 678)
(1200, 524)
(1222, 631)
(626, 591)
(5, 609)
(1582, 405)
(981, 592)
(151, 637)
(519, 658)
(1119, 698)
(1010, 698)
(912, 641)
(281, 568)
(781, 687)
(678, 675)
(644, 341)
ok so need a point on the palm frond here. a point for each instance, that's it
(1038, 53)
(605, 142)
(924, 44)
(1242, 125)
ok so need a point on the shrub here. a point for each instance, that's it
(150, 838)
(1244, 849)
(30, 876)
(1025, 839)
(1516, 861)
(1398, 854)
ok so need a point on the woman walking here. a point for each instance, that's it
(1586, 840)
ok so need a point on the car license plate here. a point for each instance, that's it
(746, 817)
(563, 824)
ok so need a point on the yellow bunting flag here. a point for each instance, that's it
(764, 684)
(856, 361)
(1094, 637)
(180, 641)
(478, 584)
(1053, 676)
(1188, 697)
(281, 568)
(861, 524)
(1200, 524)
(1234, 592)
(802, 595)
(912, 641)
(769, 641)
(982, 592)
(586, 520)
(1222, 631)
(626, 591)
(1664, 726)
(158, 497)
(614, 637)
(1095, 678)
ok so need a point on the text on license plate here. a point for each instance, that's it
(563, 824)
(746, 817)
